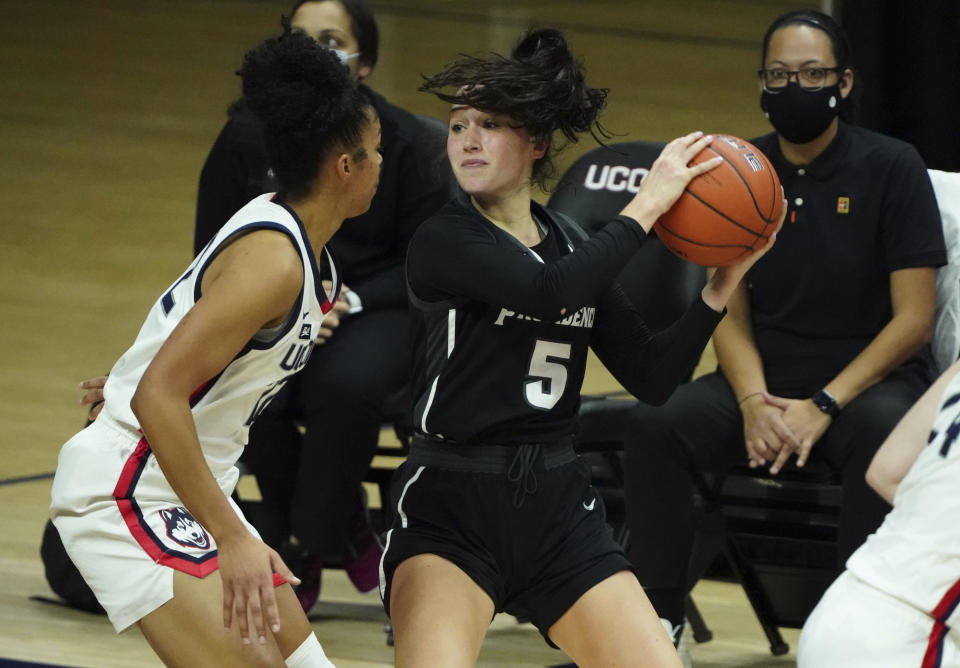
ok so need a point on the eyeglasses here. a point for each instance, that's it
(810, 78)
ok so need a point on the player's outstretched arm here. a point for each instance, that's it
(905, 443)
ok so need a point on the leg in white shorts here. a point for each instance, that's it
(856, 625)
(122, 525)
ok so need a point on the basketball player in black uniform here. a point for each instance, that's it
(495, 511)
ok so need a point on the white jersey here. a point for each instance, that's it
(226, 405)
(120, 521)
(915, 554)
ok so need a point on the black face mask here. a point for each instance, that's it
(801, 115)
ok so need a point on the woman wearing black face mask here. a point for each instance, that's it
(802, 104)
(807, 82)
(825, 345)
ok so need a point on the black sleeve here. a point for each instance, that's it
(420, 193)
(649, 364)
(455, 256)
(911, 228)
(232, 175)
(382, 290)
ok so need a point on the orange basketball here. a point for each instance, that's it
(728, 212)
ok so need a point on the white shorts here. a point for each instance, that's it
(856, 625)
(123, 526)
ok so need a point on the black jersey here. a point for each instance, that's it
(503, 330)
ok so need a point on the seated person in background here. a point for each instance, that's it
(896, 604)
(311, 484)
(825, 345)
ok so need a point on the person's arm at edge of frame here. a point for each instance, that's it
(254, 281)
(907, 440)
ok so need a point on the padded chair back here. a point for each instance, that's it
(595, 189)
(946, 333)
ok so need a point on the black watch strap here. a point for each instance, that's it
(826, 403)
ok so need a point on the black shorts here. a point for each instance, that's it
(523, 522)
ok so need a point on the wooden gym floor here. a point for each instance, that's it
(107, 111)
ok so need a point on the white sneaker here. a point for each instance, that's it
(681, 636)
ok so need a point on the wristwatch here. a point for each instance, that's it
(826, 403)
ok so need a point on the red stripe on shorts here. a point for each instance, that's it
(132, 518)
(946, 606)
(129, 473)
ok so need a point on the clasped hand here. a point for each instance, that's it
(775, 428)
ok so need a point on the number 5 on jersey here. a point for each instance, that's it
(547, 373)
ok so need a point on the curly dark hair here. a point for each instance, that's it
(308, 105)
(540, 86)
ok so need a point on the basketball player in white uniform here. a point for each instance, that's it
(141, 497)
(896, 605)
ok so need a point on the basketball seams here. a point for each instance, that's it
(773, 186)
(725, 216)
(744, 250)
(746, 183)
(702, 244)
(707, 225)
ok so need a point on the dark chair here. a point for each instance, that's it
(778, 535)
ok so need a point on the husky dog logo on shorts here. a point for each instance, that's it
(185, 530)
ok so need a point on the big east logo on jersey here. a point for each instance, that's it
(615, 178)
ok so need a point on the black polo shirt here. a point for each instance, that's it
(861, 210)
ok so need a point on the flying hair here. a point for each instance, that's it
(541, 86)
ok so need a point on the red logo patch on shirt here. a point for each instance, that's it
(843, 205)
